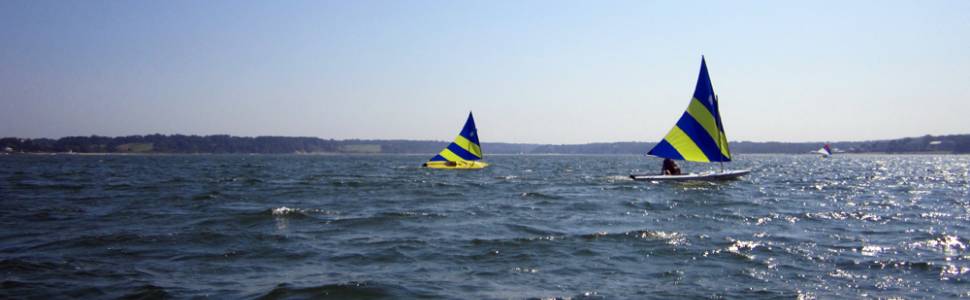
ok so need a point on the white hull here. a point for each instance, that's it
(709, 176)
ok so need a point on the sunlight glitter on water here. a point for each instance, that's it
(851, 226)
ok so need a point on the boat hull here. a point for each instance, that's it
(459, 165)
(712, 176)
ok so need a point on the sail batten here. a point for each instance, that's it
(698, 135)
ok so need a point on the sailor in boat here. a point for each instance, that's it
(447, 163)
(670, 167)
(698, 136)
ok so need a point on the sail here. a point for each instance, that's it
(465, 147)
(699, 134)
(825, 150)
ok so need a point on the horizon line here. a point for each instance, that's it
(484, 142)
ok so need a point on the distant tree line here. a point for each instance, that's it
(926, 144)
(597, 148)
(159, 143)
(178, 143)
(941, 144)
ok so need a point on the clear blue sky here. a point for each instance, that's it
(532, 71)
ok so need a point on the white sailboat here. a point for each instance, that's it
(825, 151)
(698, 136)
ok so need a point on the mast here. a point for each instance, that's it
(719, 129)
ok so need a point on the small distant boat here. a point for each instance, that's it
(698, 136)
(465, 153)
(825, 151)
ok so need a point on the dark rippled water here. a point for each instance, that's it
(375, 227)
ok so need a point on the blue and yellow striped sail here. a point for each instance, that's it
(464, 153)
(698, 135)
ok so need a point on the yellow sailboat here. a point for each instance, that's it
(465, 153)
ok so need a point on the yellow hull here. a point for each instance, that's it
(455, 165)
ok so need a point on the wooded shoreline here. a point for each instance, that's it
(187, 144)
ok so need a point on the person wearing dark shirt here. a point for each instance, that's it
(670, 167)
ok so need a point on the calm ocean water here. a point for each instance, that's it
(372, 227)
